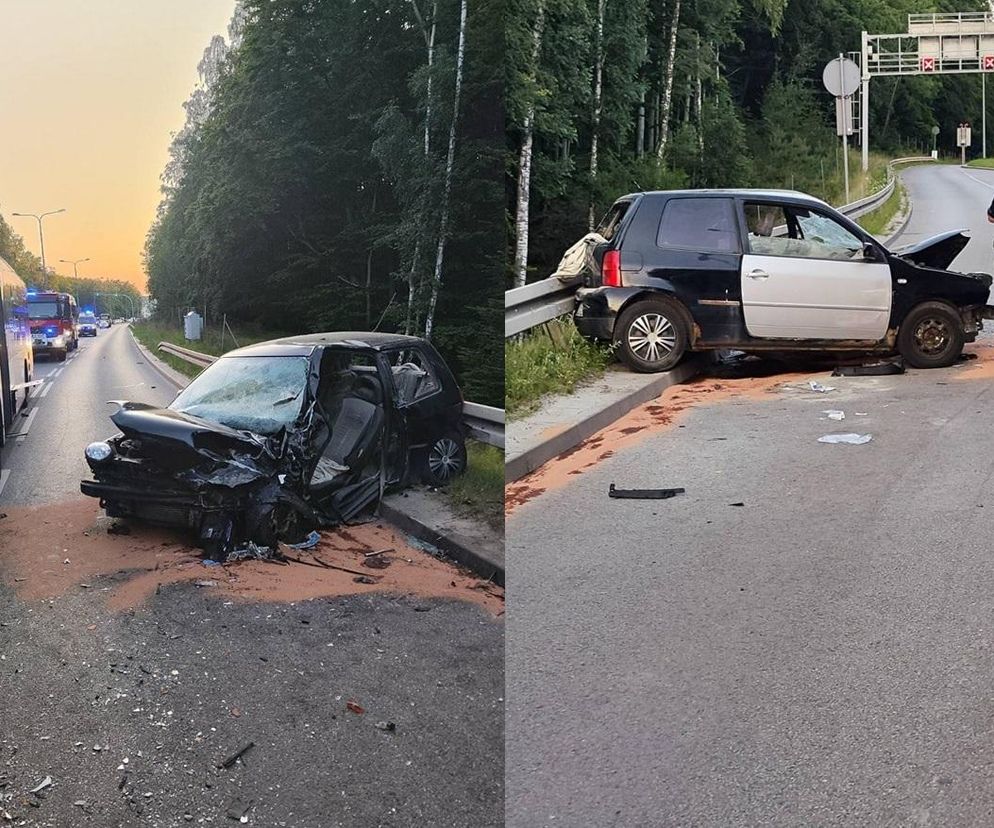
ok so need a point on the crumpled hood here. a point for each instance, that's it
(936, 251)
(140, 420)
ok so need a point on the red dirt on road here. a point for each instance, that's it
(46, 551)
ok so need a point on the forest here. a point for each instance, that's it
(28, 266)
(341, 168)
(607, 97)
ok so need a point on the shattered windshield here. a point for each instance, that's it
(257, 394)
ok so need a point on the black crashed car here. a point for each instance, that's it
(771, 271)
(276, 439)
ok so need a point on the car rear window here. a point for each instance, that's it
(699, 224)
(612, 219)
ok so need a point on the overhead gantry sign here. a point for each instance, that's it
(935, 44)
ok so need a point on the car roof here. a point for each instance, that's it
(763, 195)
(305, 344)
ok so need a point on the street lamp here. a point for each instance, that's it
(41, 235)
(127, 296)
(74, 262)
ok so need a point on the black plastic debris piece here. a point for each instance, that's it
(739, 503)
(234, 757)
(880, 368)
(643, 494)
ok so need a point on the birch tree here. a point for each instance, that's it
(598, 92)
(443, 229)
(664, 116)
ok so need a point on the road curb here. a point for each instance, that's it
(168, 373)
(538, 455)
(453, 544)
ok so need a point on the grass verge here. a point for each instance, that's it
(150, 334)
(548, 361)
(982, 163)
(877, 221)
(479, 493)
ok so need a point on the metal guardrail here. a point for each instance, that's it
(485, 423)
(547, 299)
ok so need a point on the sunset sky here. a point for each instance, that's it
(90, 93)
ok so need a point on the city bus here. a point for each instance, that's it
(16, 356)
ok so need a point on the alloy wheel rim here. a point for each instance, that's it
(652, 337)
(443, 460)
(932, 335)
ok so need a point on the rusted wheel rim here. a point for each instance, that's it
(932, 335)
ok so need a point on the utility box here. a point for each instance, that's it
(193, 326)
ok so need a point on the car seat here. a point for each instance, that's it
(356, 426)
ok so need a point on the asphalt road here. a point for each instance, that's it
(129, 712)
(820, 654)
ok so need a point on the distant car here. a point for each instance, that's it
(103, 321)
(88, 324)
(277, 438)
(771, 271)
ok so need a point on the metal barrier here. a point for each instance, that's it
(485, 423)
(547, 299)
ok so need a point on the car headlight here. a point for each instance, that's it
(59, 340)
(98, 452)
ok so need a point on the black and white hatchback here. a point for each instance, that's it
(771, 271)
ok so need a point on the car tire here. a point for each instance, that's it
(652, 334)
(62, 355)
(444, 460)
(931, 336)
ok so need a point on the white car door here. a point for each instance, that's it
(816, 285)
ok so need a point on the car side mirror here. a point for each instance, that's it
(870, 253)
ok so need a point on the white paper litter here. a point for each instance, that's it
(821, 389)
(851, 439)
(861, 414)
(835, 414)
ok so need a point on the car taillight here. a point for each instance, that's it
(611, 269)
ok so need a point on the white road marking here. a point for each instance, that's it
(44, 391)
(57, 371)
(4, 475)
(22, 435)
(979, 181)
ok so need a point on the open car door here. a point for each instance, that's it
(353, 462)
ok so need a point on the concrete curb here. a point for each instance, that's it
(453, 544)
(532, 458)
(165, 371)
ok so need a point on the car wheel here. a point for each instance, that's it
(62, 355)
(931, 336)
(444, 460)
(652, 335)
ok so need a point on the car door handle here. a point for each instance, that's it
(758, 274)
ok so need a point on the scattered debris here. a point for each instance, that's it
(309, 542)
(850, 439)
(739, 503)
(239, 810)
(252, 552)
(881, 368)
(821, 389)
(835, 414)
(45, 783)
(389, 727)
(643, 494)
(238, 754)
(203, 583)
(364, 579)
(375, 560)
(861, 413)
(355, 707)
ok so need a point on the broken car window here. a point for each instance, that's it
(609, 224)
(776, 230)
(412, 375)
(706, 224)
(257, 394)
